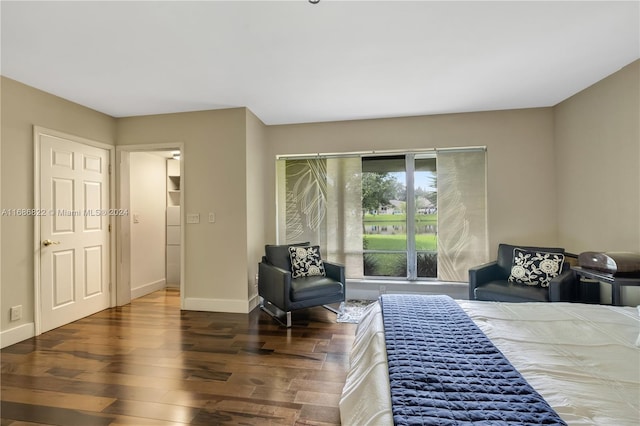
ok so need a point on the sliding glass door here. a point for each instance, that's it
(399, 203)
(384, 211)
(408, 217)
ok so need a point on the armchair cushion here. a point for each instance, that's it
(535, 268)
(504, 291)
(313, 287)
(306, 261)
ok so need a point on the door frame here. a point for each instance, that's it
(123, 226)
(37, 131)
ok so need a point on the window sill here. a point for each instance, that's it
(371, 289)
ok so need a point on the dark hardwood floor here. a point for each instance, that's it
(148, 363)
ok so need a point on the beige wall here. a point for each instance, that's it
(22, 108)
(520, 147)
(148, 178)
(257, 188)
(598, 165)
(214, 180)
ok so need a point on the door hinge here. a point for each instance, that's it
(109, 227)
(109, 168)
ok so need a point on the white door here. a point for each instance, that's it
(74, 230)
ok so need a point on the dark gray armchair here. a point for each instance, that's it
(490, 281)
(280, 293)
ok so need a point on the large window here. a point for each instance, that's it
(411, 216)
(399, 201)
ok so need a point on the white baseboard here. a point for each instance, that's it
(17, 334)
(254, 302)
(233, 306)
(148, 288)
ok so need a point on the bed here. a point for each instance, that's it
(583, 360)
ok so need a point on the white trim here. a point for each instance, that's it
(147, 288)
(234, 306)
(254, 302)
(123, 285)
(183, 231)
(37, 131)
(1, 340)
(123, 230)
(36, 231)
(374, 153)
(17, 334)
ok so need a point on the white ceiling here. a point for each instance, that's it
(293, 62)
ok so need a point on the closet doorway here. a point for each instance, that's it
(150, 249)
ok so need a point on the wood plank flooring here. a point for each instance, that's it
(148, 363)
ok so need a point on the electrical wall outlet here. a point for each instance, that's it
(212, 217)
(383, 289)
(16, 313)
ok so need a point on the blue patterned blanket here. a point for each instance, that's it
(445, 371)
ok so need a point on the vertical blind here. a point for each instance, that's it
(319, 200)
(462, 213)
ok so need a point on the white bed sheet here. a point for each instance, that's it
(582, 359)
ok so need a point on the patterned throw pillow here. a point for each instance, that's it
(306, 261)
(535, 267)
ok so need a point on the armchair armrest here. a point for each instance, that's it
(482, 274)
(274, 285)
(334, 271)
(564, 287)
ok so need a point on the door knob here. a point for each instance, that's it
(49, 242)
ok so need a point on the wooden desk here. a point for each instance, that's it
(616, 282)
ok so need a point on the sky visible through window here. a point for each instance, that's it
(422, 180)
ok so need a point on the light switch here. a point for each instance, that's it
(136, 218)
(193, 217)
(212, 217)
